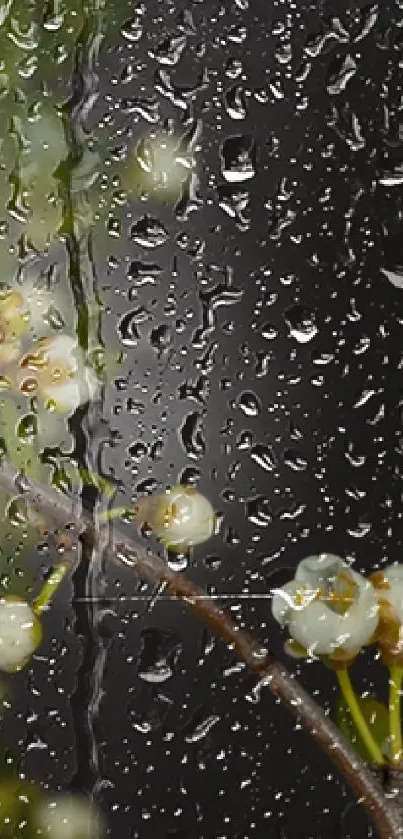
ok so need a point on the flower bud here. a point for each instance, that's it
(20, 633)
(180, 518)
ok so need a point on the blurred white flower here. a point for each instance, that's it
(67, 816)
(44, 142)
(159, 164)
(55, 369)
(14, 321)
(327, 608)
(181, 517)
(39, 301)
(20, 633)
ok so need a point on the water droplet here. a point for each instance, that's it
(17, 512)
(202, 729)
(159, 653)
(161, 338)
(27, 428)
(235, 102)
(191, 435)
(143, 273)
(264, 457)
(132, 30)
(301, 321)
(238, 159)
(137, 450)
(395, 277)
(340, 74)
(149, 232)
(249, 403)
(258, 511)
(169, 51)
(295, 460)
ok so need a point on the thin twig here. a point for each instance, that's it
(63, 511)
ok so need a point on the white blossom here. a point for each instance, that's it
(20, 633)
(181, 517)
(327, 608)
(14, 321)
(55, 369)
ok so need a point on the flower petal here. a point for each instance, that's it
(20, 633)
(316, 627)
(359, 622)
(318, 570)
(394, 573)
(65, 398)
(283, 601)
(184, 517)
(9, 351)
(61, 348)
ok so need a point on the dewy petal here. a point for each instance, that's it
(316, 627)
(18, 633)
(359, 622)
(66, 397)
(394, 572)
(283, 602)
(83, 384)
(61, 348)
(319, 569)
(184, 517)
(305, 605)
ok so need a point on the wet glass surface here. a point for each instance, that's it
(209, 196)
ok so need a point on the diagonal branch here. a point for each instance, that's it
(63, 511)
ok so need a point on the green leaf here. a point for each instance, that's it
(376, 716)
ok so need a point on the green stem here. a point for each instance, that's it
(359, 721)
(56, 576)
(395, 721)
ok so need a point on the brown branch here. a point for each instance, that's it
(63, 511)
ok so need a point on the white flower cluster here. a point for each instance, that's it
(331, 610)
(53, 368)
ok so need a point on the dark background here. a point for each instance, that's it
(261, 363)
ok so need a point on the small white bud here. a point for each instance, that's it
(181, 517)
(20, 633)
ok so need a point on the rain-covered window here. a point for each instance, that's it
(201, 320)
